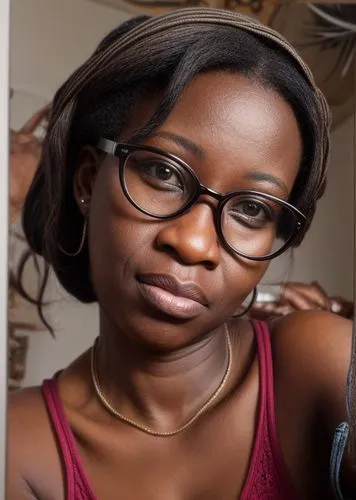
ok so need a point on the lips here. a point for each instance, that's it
(164, 292)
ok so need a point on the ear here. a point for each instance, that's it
(85, 174)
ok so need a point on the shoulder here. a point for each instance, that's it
(33, 465)
(311, 359)
(316, 337)
(312, 351)
(26, 422)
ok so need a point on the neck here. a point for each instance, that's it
(160, 391)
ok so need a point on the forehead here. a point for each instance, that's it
(238, 125)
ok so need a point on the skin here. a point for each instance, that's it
(159, 371)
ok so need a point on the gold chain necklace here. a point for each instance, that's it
(145, 429)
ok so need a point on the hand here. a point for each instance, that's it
(25, 154)
(300, 297)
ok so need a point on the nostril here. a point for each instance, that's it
(191, 238)
(169, 250)
(209, 265)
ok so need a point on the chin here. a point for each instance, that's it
(150, 330)
(162, 333)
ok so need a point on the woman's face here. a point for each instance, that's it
(235, 135)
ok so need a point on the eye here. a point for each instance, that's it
(252, 209)
(160, 171)
(160, 175)
(252, 213)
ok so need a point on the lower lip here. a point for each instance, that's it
(173, 305)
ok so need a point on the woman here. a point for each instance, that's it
(183, 156)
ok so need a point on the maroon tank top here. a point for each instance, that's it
(267, 478)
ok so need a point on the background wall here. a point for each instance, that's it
(49, 39)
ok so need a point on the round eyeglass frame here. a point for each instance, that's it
(122, 151)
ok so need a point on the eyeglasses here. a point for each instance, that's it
(254, 225)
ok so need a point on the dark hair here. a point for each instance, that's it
(51, 217)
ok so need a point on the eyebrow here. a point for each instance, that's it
(198, 151)
(181, 141)
(264, 177)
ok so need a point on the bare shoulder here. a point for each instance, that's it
(311, 358)
(318, 337)
(312, 350)
(27, 416)
(33, 464)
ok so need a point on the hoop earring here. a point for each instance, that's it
(84, 235)
(250, 304)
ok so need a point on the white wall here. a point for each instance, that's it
(49, 39)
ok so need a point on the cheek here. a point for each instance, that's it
(117, 232)
(240, 278)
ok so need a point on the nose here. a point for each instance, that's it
(192, 237)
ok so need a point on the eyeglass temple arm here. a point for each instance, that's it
(107, 146)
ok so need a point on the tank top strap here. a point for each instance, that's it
(263, 339)
(76, 481)
(268, 476)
